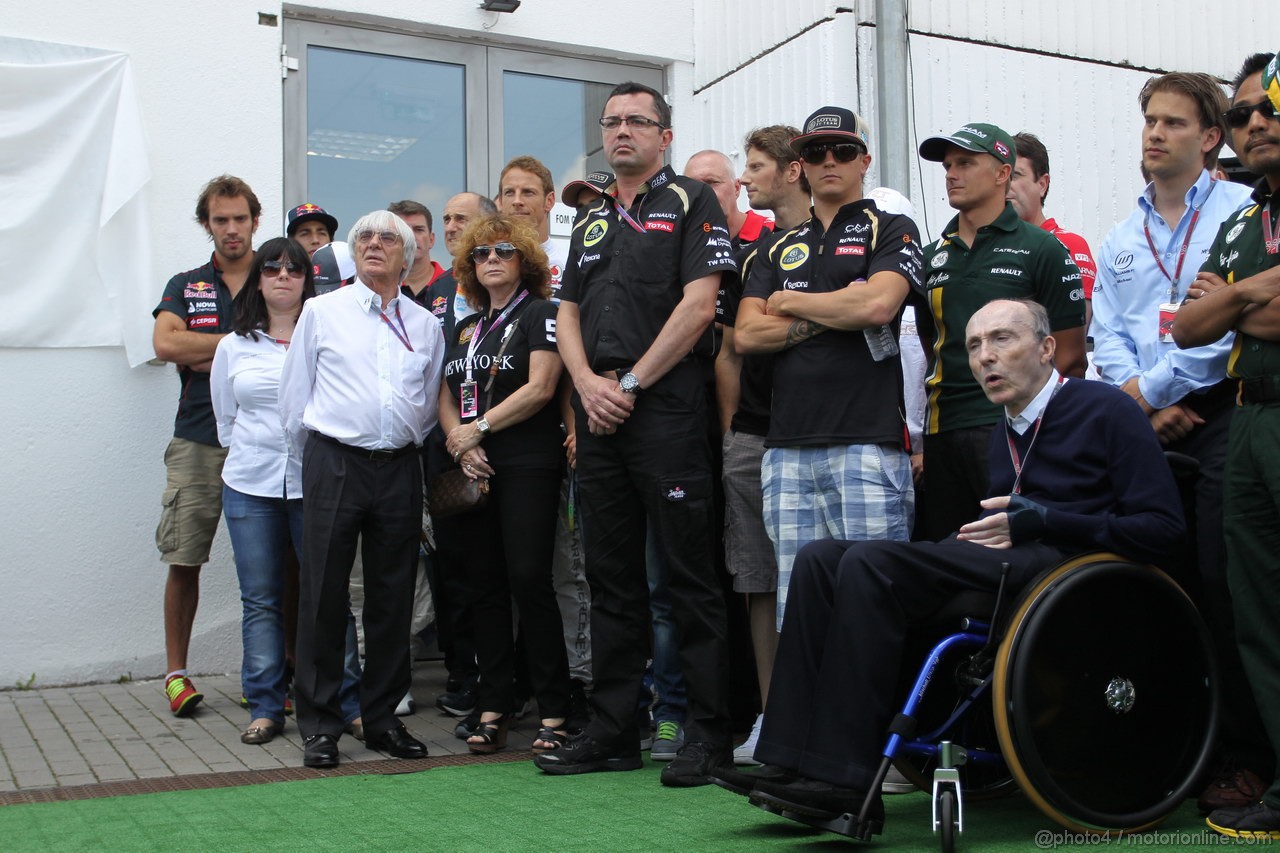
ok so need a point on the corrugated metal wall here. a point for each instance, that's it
(1070, 74)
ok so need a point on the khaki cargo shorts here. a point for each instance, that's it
(191, 503)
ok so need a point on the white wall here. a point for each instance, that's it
(84, 434)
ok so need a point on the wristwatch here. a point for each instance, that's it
(629, 383)
(483, 425)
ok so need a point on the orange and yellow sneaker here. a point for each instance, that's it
(183, 696)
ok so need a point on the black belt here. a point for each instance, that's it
(1264, 389)
(365, 453)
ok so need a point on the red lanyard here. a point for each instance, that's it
(1014, 456)
(1271, 237)
(402, 333)
(1186, 243)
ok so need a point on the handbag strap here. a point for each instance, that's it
(497, 360)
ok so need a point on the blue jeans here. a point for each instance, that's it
(668, 677)
(261, 530)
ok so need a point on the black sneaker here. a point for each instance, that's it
(458, 703)
(742, 782)
(467, 726)
(1258, 821)
(695, 763)
(583, 754)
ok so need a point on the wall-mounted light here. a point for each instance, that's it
(500, 5)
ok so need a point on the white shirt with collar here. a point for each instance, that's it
(244, 383)
(348, 375)
(1022, 422)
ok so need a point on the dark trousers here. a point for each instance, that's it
(654, 471)
(347, 498)
(447, 576)
(955, 479)
(850, 611)
(1241, 734)
(1252, 521)
(510, 544)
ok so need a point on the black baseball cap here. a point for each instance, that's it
(597, 182)
(836, 124)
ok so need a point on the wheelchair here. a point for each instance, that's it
(1095, 695)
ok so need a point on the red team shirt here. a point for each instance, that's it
(1079, 249)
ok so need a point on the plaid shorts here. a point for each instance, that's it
(850, 492)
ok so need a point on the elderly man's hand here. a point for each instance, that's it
(992, 531)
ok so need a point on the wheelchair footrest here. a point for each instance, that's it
(845, 824)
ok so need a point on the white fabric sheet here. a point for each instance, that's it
(75, 247)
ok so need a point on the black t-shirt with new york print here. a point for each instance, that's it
(537, 441)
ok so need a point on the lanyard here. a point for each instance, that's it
(1271, 237)
(1014, 456)
(477, 337)
(402, 333)
(1186, 243)
(622, 212)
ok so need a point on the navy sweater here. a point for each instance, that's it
(1098, 474)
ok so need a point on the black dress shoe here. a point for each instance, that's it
(397, 742)
(817, 799)
(321, 751)
(743, 782)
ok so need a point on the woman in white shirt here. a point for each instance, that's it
(262, 481)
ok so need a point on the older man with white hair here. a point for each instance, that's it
(357, 397)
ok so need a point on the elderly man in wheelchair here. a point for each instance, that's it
(1074, 469)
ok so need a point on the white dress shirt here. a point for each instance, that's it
(244, 383)
(350, 377)
(1022, 421)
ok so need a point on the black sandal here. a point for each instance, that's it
(548, 735)
(491, 734)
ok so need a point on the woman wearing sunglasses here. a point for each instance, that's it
(499, 413)
(262, 482)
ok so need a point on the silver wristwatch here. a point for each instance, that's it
(482, 424)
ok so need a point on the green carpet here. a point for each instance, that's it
(508, 807)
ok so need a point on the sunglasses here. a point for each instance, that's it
(845, 152)
(387, 237)
(505, 252)
(1238, 117)
(270, 268)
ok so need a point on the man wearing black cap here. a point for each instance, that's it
(639, 291)
(311, 226)
(986, 252)
(827, 297)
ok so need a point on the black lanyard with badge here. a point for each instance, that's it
(1169, 309)
(469, 399)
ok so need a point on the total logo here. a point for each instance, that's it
(595, 232)
(794, 256)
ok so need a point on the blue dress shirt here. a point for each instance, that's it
(1130, 288)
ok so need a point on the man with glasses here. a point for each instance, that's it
(826, 298)
(1146, 266)
(357, 398)
(986, 252)
(193, 315)
(1239, 288)
(645, 263)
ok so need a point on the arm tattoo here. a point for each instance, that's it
(802, 330)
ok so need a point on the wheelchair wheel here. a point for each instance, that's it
(1104, 694)
(947, 821)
